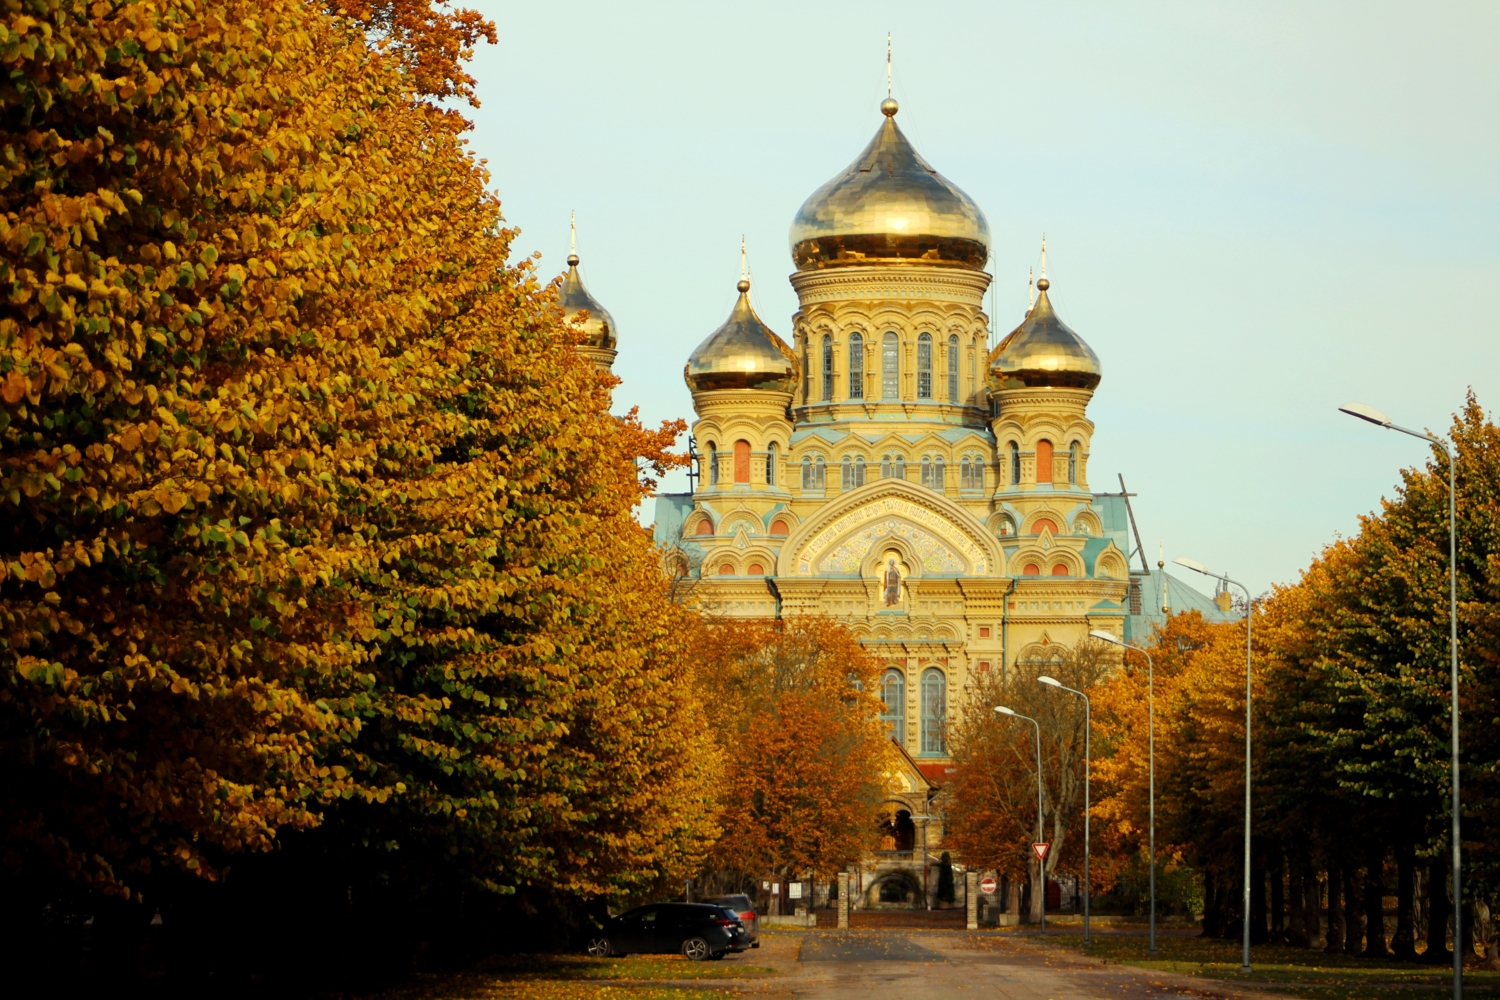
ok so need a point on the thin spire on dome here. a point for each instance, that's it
(572, 236)
(1030, 289)
(744, 260)
(887, 64)
(1044, 257)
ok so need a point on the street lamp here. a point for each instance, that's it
(1087, 721)
(1041, 862)
(1198, 567)
(1374, 416)
(1150, 758)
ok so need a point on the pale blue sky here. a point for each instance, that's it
(1254, 212)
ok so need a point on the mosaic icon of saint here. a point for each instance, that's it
(892, 583)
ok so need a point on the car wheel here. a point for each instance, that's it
(696, 949)
(599, 947)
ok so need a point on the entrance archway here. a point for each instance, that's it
(897, 890)
(897, 831)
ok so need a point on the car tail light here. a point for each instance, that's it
(748, 916)
(725, 922)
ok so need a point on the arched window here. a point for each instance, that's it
(934, 711)
(1015, 464)
(779, 528)
(965, 475)
(742, 461)
(1073, 462)
(771, 464)
(893, 693)
(1059, 570)
(953, 368)
(807, 472)
(1031, 569)
(713, 464)
(856, 366)
(1044, 461)
(705, 527)
(973, 372)
(924, 366)
(927, 472)
(820, 473)
(890, 368)
(885, 467)
(827, 368)
(859, 470)
(939, 474)
(900, 466)
(846, 474)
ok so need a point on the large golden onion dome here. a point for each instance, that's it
(599, 328)
(742, 354)
(889, 206)
(1044, 352)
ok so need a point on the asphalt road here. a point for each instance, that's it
(923, 965)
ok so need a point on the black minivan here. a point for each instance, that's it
(696, 930)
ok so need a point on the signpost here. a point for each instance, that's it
(987, 886)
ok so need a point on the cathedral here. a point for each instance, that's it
(889, 469)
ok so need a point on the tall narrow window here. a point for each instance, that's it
(939, 474)
(742, 461)
(713, 464)
(965, 475)
(973, 373)
(859, 471)
(846, 474)
(900, 466)
(890, 368)
(820, 474)
(827, 368)
(856, 366)
(927, 472)
(885, 467)
(1073, 462)
(807, 472)
(893, 693)
(953, 368)
(934, 711)
(1044, 461)
(924, 366)
(1015, 464)
(771, 464)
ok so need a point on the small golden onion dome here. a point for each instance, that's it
(599, 328)
(1044, 352)
(742, 354)
(889, 205)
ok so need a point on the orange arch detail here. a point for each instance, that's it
(742, 461)
(1032, 569)
(1059, 570)
(1043, 461)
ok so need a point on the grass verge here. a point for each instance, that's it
(579, 977)
(1292, 971)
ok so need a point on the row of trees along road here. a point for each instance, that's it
(325, 626)
(1351, 764)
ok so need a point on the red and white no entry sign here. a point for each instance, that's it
(987, 886)
(1041, 851)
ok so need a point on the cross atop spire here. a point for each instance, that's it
(887, 64)
(1044, 255)
(744, 260)
(573, 239)
(1030, 288)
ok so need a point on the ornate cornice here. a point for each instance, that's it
(910, 283)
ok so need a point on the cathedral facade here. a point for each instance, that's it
(888, 469)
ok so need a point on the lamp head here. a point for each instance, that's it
(1103, 636)
(1049, 681)
(1194, 565)
(1364, 412)
(1003, 710)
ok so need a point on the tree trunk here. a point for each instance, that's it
(1038, 892)
(1354, 921)
(1334, 943)
(1210, 907)
(1278, 871)
(1311, 897)
(1404, 944)
(1437, 912)
(1296, 917)
(1375, 906)
(1468, 936)
(1258, 932)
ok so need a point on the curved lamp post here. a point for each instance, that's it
(1150, 759)
(1198, 567)
(1041, 862)
(1379, 419)
(1087, 722)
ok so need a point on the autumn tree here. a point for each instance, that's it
(315, 519)
(792, 706)
(992, 796)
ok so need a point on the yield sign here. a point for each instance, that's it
(1041, 851)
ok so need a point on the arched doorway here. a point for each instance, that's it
(898, 890)
(897, 831)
